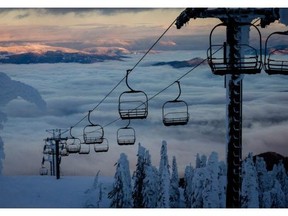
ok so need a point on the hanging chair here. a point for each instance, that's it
(247, 62)
(103, 147)
(175, 112)
(48, 149)
(43, 170)
(126, 135)
(275, 61)
(63, 150)
(133, 104)
(84, 148)
(73, 144)
(93, 133)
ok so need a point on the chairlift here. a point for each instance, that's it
(63, 150)
(93, 133)
(175, 112)
(43, 170)
(73, 144)
(103, 147)
(221, 63)
(133, 104)
(126, 135)
(84, 148)
(275, 62)
(47, 149)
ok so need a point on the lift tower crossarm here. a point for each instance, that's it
(266, 15)
(234, 19)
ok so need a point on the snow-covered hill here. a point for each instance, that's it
(48, 192)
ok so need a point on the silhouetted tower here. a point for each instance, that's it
(233, 65)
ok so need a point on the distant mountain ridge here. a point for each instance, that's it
(180, 64)
(38, 53)
(272, 158)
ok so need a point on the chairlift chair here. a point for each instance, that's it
(132, 104)
(43, 170)
(126, 135)
(73, 144)
(47, 149)
(274, 62)
(84, 148)
(93, 133)
(103, 147)
(63, 150)
(175, 112)
(249, 62)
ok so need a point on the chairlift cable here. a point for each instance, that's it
(181, 77)
(125, 76)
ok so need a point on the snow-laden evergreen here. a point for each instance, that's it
(188, 176)
(138, 178)
(249, 195)
(121, 194)
(164, 177)
(10, 90)
(150, 183)
(264, 183)
(211, 183)
(174, 186)
(204, 185)
(222, 179)
(94, 194)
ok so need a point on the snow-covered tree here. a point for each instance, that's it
(10, 90)
(264, 183)
(197, 187)
(94, 194)
(222, 178)
(150, 183)
(138, 178)
(211, 184)
(249, 193)
(174, 186)
(200, 161)
(188, 176)
(164, 177)
(279, 173)
(277, 196)
(121, 194)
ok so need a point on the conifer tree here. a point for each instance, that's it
(249, 193)
(197, 187)
(222, 178)
(138, 178)
(188, 176)
(264, 183)
(174, 186)
(121, 193)
(211, 185)
(150, 183)
(164, 177)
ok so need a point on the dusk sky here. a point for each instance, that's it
(70, 90)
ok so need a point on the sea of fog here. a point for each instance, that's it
(70, 90)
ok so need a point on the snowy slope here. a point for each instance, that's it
(47, 192)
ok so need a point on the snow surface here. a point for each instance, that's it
(48, 192)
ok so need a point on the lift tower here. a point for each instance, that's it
(235, 20)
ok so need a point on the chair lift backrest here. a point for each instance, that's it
(275, 65)
(103, 147)
(244, 65)
(96, 130)
(74, 145)
(126, 135)
(84, 148)
(178, 116)
(136, 104)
